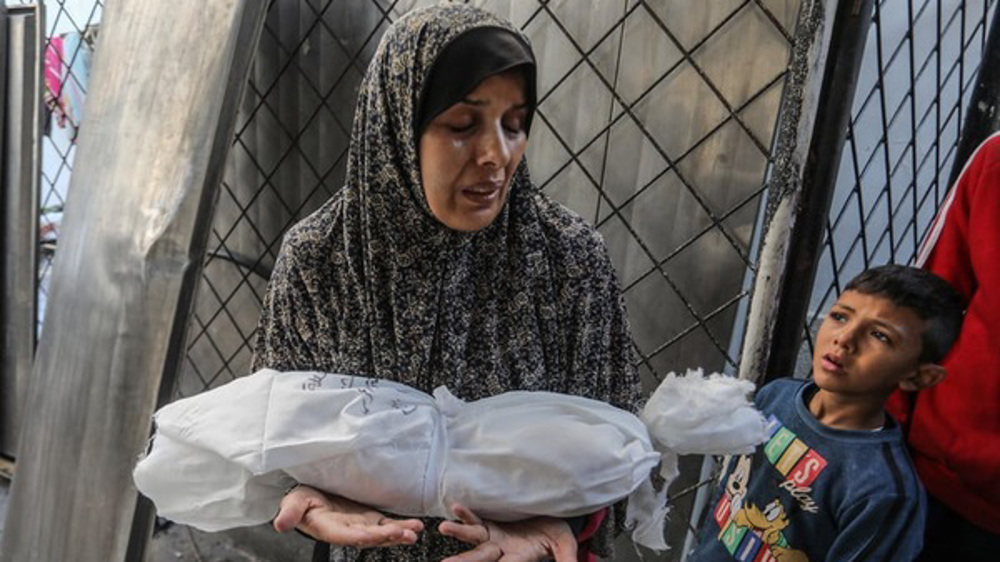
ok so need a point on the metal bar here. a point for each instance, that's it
(937, 105)
(161, 112)
(22, 151)
(7, 413)
(883, 114)
(3, 106)
(815, 112)
(961, 64)
(912, 147)
(982, 117)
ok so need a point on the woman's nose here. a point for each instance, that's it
(493, 148)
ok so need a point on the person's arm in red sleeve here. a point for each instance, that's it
(947, 249)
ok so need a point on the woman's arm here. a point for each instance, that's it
(285, 336)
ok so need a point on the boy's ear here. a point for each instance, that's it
(924, 376)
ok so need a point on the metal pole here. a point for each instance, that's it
(165, 88)
(815, 114)
(20, 191)
(982, 118)
(6, 413)
(3, 87)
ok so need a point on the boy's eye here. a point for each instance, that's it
(837, 316)
(881, 336)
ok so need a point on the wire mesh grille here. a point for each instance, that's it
(71, 28)
(919, 69)
(653, 248)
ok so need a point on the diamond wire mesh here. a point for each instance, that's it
(656, 255)
(70, 34)
(919, 69)
(289, 156)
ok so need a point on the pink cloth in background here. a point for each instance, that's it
(54, 79)
(53, 65)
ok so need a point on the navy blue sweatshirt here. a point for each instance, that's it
(812, 492)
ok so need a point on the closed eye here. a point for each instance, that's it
(461, 127)
(513, 121)
(514, 128)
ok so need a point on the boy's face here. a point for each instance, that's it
(866, 346)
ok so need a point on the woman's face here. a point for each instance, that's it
(469, 152)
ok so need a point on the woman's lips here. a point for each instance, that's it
(483, 194)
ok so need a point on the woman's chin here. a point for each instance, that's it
(471, 218)
(472, 222)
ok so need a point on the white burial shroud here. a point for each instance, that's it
(224, 458)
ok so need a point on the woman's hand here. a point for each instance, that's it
(532, 540)
(342, 522)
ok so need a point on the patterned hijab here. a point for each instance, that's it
(373, 284)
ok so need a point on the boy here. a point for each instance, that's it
(833, 481)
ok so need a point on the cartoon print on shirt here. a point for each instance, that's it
(768, 521)
(750, 532)
(736, 485)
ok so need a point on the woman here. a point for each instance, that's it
(439, 263)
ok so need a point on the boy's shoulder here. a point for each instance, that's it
(778, 390)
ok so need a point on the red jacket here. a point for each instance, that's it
(954, 427)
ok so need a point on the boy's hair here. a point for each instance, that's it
(923, 292)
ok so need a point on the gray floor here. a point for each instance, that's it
(180, 543)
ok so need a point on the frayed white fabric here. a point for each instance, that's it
(692, 414)
(223, 458)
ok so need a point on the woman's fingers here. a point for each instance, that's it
(330, 528)
(465, 514)
(469, 529)
(472, 534)
(415, 525)
(565, 549)
(293, 509)
(342, 522)
(486, 552)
